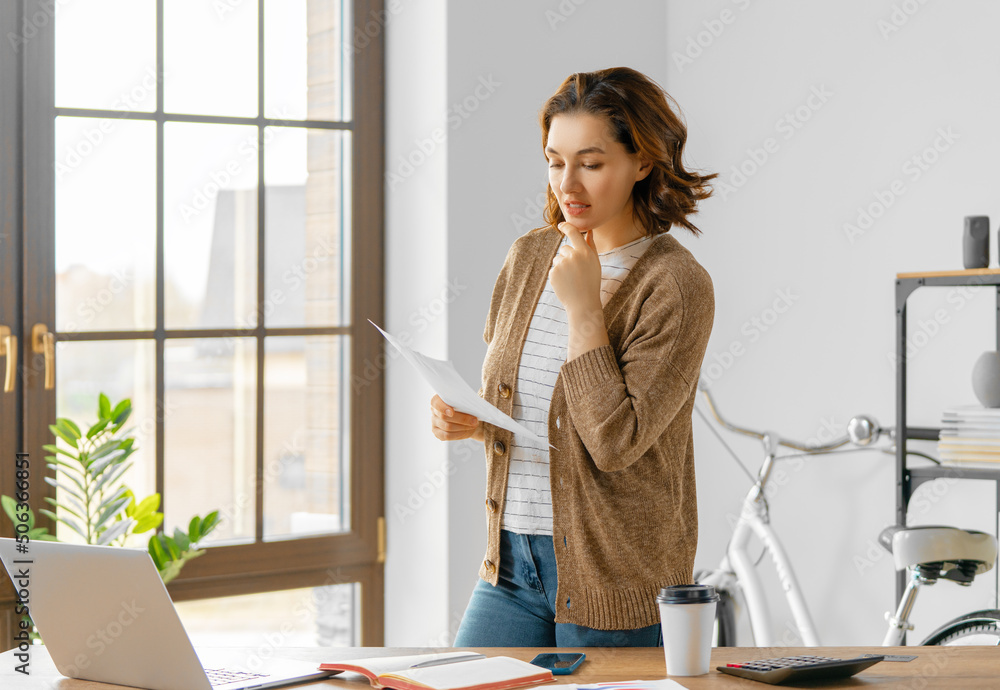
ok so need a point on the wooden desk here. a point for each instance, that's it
(935, 667)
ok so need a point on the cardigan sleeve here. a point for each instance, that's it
(620, 407)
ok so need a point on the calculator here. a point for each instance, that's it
(793, 669)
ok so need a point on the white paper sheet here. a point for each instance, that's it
(448, 383)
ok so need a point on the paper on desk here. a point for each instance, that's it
(448, 383)
(664, 684)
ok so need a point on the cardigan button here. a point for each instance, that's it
(504, 390)
(490, 568)
(499, 448)
(491, 505)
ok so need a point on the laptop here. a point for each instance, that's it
(105, 615)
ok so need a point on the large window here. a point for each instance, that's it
(206, 240)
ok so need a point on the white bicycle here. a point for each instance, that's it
(928, 554)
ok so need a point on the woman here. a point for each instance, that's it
(597, 328)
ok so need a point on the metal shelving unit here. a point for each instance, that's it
(907, 478)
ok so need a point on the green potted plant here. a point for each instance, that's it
(95, 503)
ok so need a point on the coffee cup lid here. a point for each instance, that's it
(687, 594)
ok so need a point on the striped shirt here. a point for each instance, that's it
(528, 506)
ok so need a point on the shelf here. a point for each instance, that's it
(956, 470)
(952, 274)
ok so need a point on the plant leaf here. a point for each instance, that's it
(147, 506)
(112, 476)
(56, 449)
(183, 542)
(171, 546)
(157, 552)
(110, 512)
(60, 485)
(114, 531)
(71, 424)
(121, 412)
(105, 448)
(121, 492)
(147, 523)
(66, 521)
(194, 528)
(95, 468)
(9, 506)
(97, 428)
(79, 512)
(103, 407)
(209, 523)
(64, 434)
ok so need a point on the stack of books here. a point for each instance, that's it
(970, 433)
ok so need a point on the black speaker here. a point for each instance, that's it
(976, 242)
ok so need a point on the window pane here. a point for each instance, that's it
(105, 224)
(324, 616)
(210, 225)
(306, 433)
(119, 369)
(210, 57)
(305, 55)
(209, 418)
(306, 223)
(92, 38)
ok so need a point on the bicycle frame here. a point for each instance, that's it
(753, 521)
(737, 575)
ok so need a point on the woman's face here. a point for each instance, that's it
(590, 173)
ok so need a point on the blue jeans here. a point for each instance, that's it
(520, 610)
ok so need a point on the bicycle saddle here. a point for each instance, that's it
(939, 551)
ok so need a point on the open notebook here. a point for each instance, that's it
(448, 671)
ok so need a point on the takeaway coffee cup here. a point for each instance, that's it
(687, 616)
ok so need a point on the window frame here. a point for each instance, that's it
(356, 555)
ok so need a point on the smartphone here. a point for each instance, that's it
(560, 664)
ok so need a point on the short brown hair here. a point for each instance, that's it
(644, 123)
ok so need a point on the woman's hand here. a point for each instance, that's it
(576, 277)
(448, 424)
(576, 272)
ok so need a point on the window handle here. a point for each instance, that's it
(43, 343)
(8, 348)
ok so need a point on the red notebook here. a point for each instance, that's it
(446, 671)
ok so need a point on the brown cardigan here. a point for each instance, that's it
(624, 511)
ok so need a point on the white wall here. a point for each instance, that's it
(779, 234)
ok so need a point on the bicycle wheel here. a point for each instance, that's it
(725, 621)
(976, 628)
